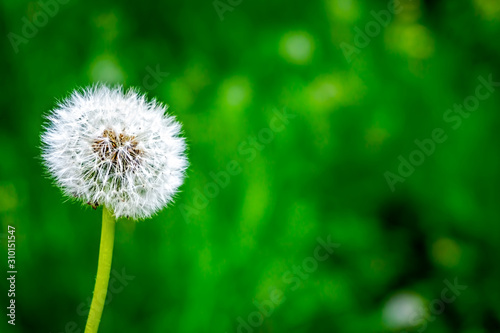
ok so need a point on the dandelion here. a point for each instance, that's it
(115, 149)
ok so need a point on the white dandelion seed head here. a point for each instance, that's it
(114, 148)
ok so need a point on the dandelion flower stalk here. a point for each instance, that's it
(104, 146)
(103, 270)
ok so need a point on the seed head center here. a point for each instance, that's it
(120, 151)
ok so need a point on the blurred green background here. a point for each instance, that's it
(211, 260)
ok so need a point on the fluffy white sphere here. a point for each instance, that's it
(113, 148)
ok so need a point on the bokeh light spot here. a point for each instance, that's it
(297, 47)
(236, 92)
(402, 310)
(413, 40)
(324, 93)
(446, 252)
(488, 9)
(345, 10)
(106, 69)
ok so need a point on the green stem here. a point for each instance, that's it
(103, 270)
